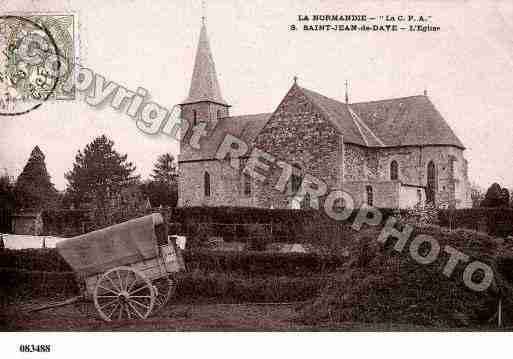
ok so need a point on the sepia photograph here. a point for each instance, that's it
(227, 166)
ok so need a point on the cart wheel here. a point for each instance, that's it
(123, 293)
(164, 289)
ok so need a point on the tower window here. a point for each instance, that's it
(370, 195)
(207, 184)
(247, 185)
(432, 181)
(394, 171)
(194, 117)
(307, 202)
(295, 179)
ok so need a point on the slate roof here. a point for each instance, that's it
(245, 127)
(204, 84)
(388, 123)
(347, 122)
(407, 121)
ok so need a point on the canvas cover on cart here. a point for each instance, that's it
(121, 244)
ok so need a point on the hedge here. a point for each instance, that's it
(221, 276)
(21, 285)
(229, 223)
(495, 221)
(254, 262)
(66, 222)
(40, 259)
(377, 284)
(247, 223)
(262, 263)
(238, 288)
(17, 286)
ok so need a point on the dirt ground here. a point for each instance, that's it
(180, 317)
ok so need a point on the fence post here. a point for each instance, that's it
(499, 313)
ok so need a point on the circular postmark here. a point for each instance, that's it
(30, 64)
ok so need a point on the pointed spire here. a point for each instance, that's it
(36, 152)
(204, 84)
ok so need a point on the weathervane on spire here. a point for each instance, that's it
(203, 12)
(347, 91)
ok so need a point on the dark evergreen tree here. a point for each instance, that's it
(505, 197)
(162, 189)
(6, 192)
(165, 169)
(34, 189)
(496, 197)
(160, 193)
(98, 175)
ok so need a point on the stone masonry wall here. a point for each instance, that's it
(298, 134)
(373, 165)
(452, 178)
(225, 185)
(385, 194)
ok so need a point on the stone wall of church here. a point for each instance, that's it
(298, 134)
(384, 194)
(225, 185)
(355, 163)
(373, 165)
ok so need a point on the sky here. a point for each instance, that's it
(466, 67)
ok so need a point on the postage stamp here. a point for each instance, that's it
(37, 52)
(62, 29)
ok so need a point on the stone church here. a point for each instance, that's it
(393, 153)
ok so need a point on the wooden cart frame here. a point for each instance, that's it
(127, 269)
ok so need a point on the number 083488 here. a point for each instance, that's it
(30, 348)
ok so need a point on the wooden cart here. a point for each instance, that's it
(126, 269)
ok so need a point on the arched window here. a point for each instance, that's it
(247, 185)
(394, 171)
(295, 179)
(207, 184)
(370, 195)
(431, 183)
(307, 201)
(219, 113)
(194, 117)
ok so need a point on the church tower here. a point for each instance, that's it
(205, 102)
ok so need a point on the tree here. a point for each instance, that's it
(162, 189)
(496, 197)
(6, 192)
(34, 189)
(160, 193)
(165, 169)
(98, 175)
(505, 197)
